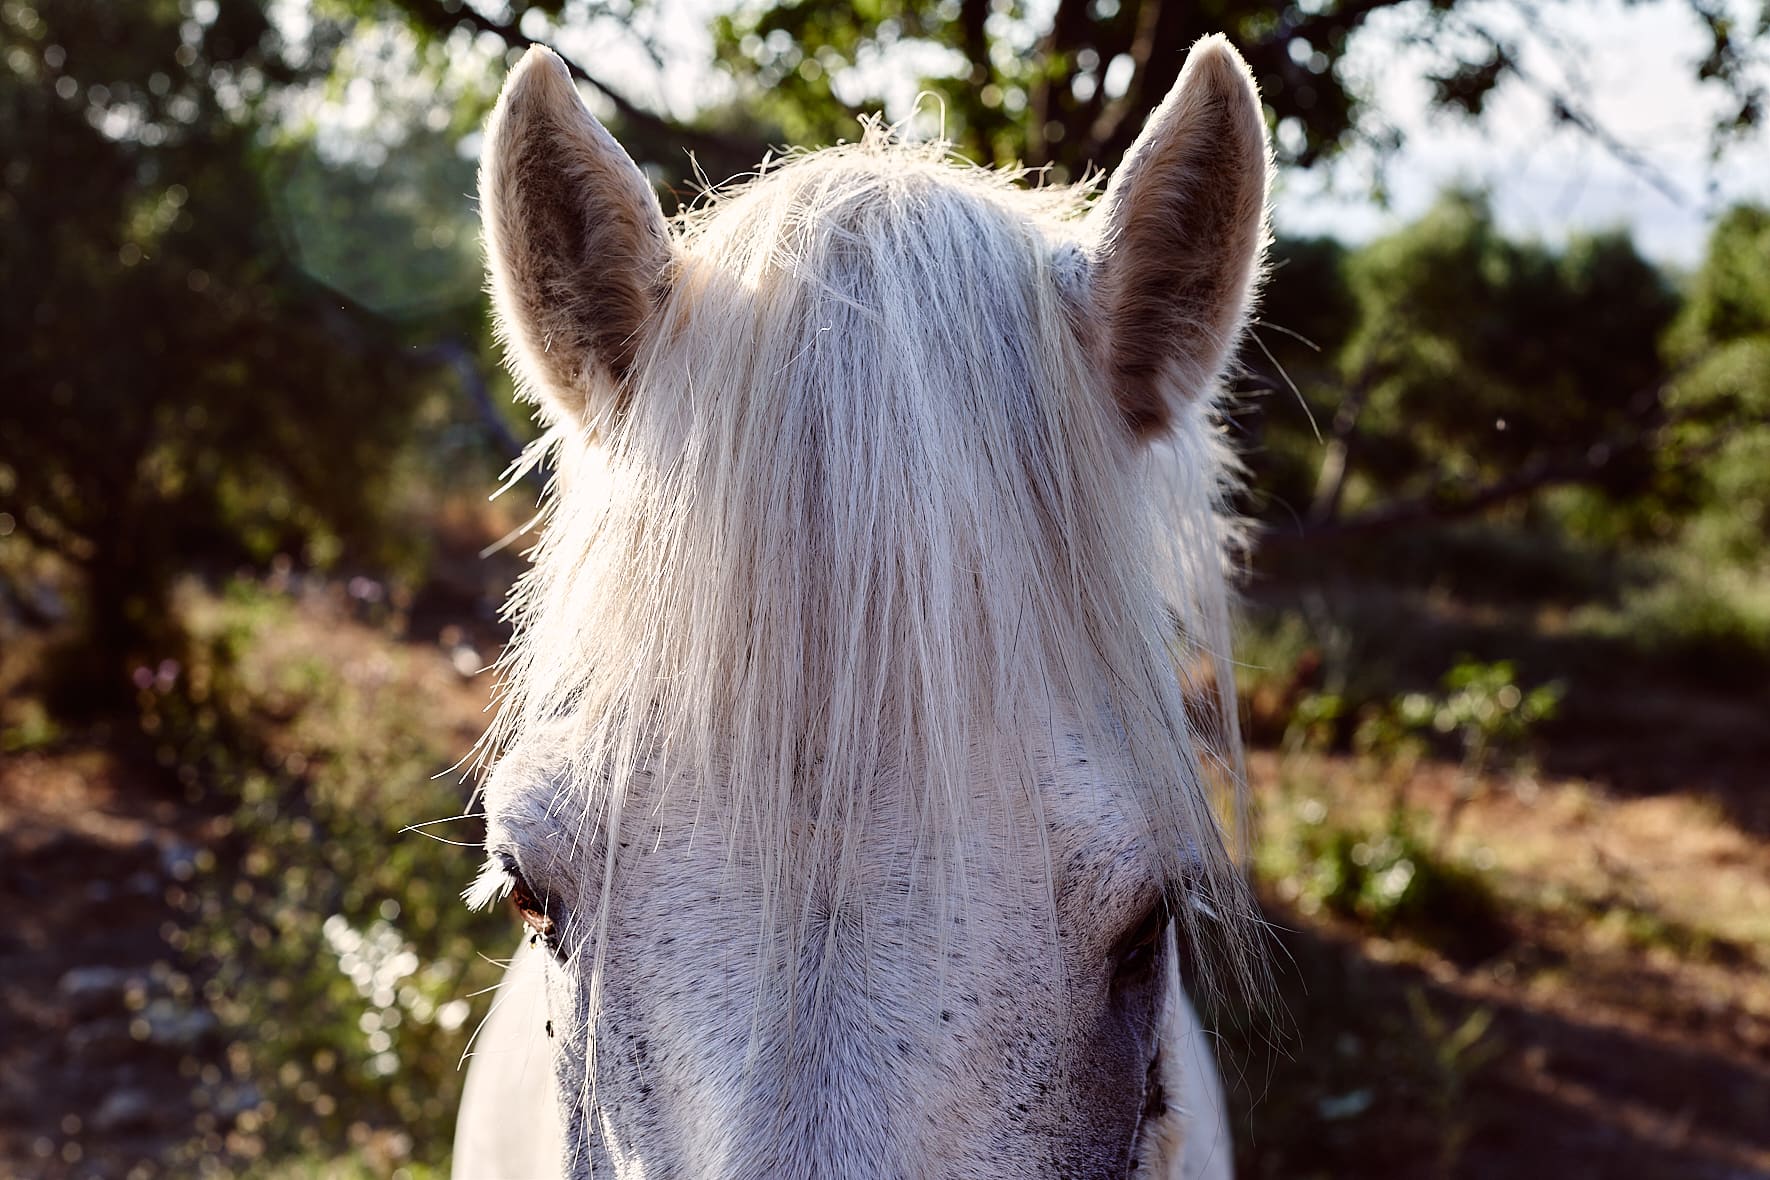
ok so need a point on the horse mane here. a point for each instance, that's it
(867, 516)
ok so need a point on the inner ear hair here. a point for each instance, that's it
(577, 246)
(1180, 233)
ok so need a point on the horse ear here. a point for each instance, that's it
(577, 246)
(1178, 239)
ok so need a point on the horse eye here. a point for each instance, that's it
(522, 895)
(1135, 957)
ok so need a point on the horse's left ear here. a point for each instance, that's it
(1178, 238)
(577, 246)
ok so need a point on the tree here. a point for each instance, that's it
(1721, 398)
(1480, 353)
(178, 388)
(1073, 90)
(1291, 395)
(719, 143)
(1472, 369)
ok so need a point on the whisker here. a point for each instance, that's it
(1291, 332)
(447, 819)
(1298, 393)
(417, 830)
(467, 1050)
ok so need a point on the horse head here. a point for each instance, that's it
(854, 766)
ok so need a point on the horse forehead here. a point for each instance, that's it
(1085, 818)
(1080, 834)
(1084, 795)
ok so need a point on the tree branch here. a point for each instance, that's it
(457, 356)
(1539, 474)
(1535, 476)
(727, 155)
(1569, 110)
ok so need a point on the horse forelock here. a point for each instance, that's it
(869, 520)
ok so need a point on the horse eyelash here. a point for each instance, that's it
(496, 880)
(501, 877)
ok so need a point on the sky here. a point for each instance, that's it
(1635, 72)
(1631, 65)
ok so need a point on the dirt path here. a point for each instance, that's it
(107, 1058)
(1622, 1030)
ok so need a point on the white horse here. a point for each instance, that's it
(850, 767)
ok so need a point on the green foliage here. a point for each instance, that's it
(1730, 297)
(1067, 90)
(1391, 880)
(1070, 85)
(1382, 1073)
(30, 727)
(1478, 354)
(1330, 690)
(181, 390)
(1008, 91)
(338, 956)
(1707, 622)
(1315, 722)
(1459, 1050)
(1291, 392)
(394, 236)
(1483, 707)
(1562, 395)
(1722, 396)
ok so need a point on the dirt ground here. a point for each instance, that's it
(1624, 1025)
(1621, 1030)
(107, 1059)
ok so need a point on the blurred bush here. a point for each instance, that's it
(328, 930)
(1394, 880)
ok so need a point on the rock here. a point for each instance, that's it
(176, 1027)
(124, 1110)
(95, 989)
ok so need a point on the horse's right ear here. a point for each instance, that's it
(1178, 240)
(577, 246)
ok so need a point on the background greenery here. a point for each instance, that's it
(1513, 578)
